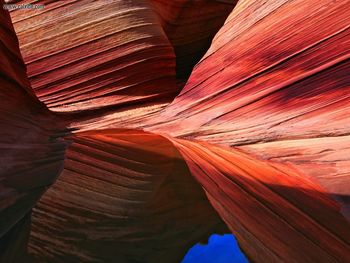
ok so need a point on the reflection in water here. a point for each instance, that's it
(220, 249)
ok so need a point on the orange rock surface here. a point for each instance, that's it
(124, 196)
(256, 140)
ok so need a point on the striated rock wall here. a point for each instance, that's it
(31, 153)
(257, 137)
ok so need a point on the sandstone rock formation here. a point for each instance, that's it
(31, 150)
(255, 141)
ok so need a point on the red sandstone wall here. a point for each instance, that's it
(262, 125)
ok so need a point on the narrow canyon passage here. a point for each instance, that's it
(132, 130)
